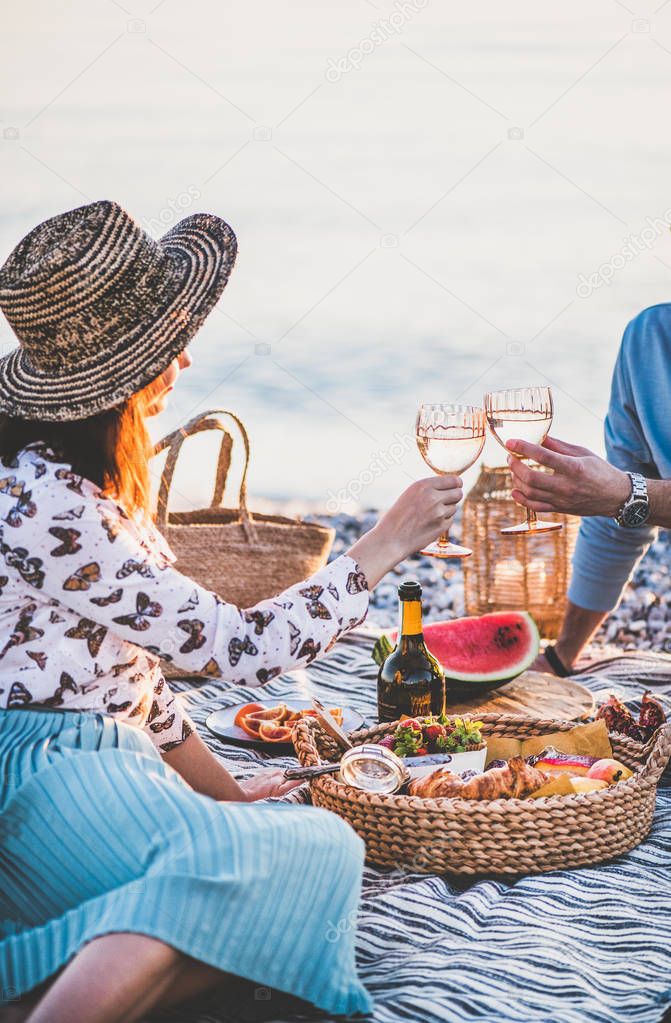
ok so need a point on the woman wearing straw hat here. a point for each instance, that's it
(134, 870)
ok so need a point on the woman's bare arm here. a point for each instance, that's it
(203, 771)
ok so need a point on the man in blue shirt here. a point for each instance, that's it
(624, 499)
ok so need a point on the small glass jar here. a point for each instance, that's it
(373, 769)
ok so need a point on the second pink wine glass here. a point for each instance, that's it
(522, 413)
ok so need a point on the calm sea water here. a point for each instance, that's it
(431, 199)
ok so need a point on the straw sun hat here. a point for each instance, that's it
(100, 308)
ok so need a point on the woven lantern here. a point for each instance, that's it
(514, 573)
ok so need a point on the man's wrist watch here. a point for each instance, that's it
(636, 509)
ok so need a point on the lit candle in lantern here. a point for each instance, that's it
(509, 582)
(537, 579)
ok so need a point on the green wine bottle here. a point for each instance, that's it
(410, 681)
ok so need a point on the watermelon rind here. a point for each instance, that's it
(384, 646)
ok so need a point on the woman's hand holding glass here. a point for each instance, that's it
(450, 438)
(424, 511)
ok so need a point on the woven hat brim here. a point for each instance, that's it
(202, 250)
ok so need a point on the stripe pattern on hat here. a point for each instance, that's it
(100, 308)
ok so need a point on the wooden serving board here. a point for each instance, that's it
(532, 694)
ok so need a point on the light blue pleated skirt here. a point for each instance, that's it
(98, 834)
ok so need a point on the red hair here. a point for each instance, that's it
(111, 448)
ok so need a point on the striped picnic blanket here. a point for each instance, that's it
(575, 946)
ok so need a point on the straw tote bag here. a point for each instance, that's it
(242, 557)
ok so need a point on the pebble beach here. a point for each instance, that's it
(642, 621)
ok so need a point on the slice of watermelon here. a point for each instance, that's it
(491, 648)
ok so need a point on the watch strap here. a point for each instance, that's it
(555, 662)
(639, 492)
(639, 487)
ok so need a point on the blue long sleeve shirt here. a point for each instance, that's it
(638, 438)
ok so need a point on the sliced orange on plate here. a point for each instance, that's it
(271, 732)
(270, 713)
(248, 708)
(335, 712)
(251, 727)
(274, 724)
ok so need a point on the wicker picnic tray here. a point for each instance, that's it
(502, 836)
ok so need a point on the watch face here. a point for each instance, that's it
(636, 513)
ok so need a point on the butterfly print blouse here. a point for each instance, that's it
(89, 601)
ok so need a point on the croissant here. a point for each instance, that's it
(514, 781)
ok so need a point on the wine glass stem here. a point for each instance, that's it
(532, 518)
(444, 540)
